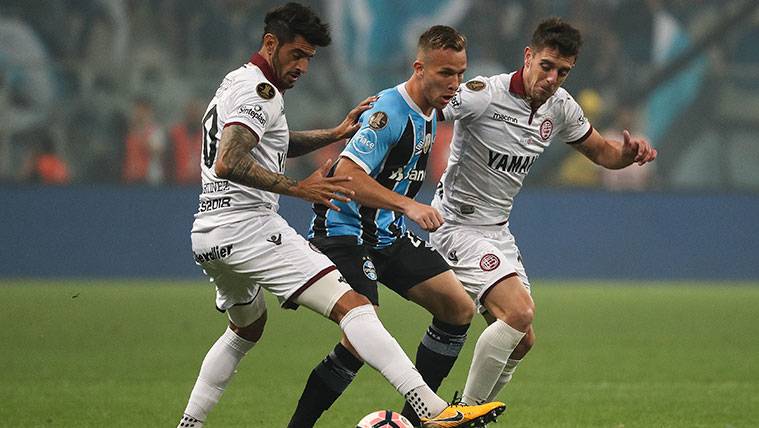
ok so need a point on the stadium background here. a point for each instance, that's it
(100, 104)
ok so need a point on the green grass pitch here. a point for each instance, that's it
(109, 353)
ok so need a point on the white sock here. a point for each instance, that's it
(380, 350)
(508, 372)
(215, 373)
(492, 351)
(188, 421)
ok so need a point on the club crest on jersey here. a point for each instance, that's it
(424, 145)
(378, 120)
(265, 91)
(546, 128)
(369, 269)
(365, 141)
(475, 85)
(489, 262)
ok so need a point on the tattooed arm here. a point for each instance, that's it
(302, 142)
(235, 162)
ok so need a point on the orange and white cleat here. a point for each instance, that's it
(464, 416)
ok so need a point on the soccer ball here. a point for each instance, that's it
(384, 419)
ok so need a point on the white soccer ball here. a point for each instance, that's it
(384, 419)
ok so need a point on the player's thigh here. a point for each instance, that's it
(331, 296)
(353, 261)
(263, 252)
(245, 315)
(510, 301)
(213, 251)
(444, 297)
(480, 258)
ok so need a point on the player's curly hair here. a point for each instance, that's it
(293, 19)
(442, 37)
(555, 33)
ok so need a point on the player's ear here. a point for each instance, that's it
(527, 55)
(418, 67)
(269, 43)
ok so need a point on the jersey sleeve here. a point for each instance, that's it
(251, 104)
(381, 127)
(576, 127)
(470, 101)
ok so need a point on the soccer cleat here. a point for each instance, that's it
(464, 416)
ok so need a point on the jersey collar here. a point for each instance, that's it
(260, 62)
(406, 97)
(516, 86)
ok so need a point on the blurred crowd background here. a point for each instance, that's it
(112, 91)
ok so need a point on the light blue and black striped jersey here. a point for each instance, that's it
(392, 146)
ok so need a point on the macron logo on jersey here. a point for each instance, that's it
(513, 163)
(505, 118)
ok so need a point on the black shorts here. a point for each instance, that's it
(401, 266)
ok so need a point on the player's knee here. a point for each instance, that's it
(526, 315)
(463, 311)
(527, 342)
(345, 303)
(456, 308)
(520, 317)
(252, 332)
(248, 320)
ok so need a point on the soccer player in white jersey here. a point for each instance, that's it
(243, 245)
(502, 124)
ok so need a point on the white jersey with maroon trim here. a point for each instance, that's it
(247, 98)
(497, 138)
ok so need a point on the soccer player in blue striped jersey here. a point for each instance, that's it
(367, 238)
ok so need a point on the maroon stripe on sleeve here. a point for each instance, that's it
(583, 138)
(244, 126)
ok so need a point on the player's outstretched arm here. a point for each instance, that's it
(616, 154)
(302, 142)
(370, 193)
(236, 163)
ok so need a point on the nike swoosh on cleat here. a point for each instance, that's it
(457, 417)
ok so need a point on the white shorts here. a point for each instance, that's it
(480, 256)
(262, 252)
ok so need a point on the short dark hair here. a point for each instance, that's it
(555, 33)
(442, 37)
(293, 19)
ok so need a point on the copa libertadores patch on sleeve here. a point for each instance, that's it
(265, 91)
